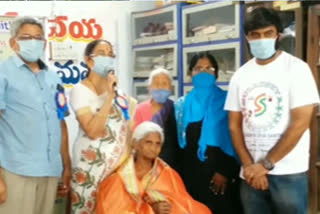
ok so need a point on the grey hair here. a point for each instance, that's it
(19, 22)
(145, 128)
(156, 72)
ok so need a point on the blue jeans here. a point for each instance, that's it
(287, 194)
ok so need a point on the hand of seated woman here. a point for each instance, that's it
(162, 207)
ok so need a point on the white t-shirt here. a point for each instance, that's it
(265, 95)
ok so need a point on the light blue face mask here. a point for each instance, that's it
(103, 65)
(160, 95)
(263, 48)
(31, 50)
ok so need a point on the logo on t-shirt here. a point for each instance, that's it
(262, 106)
(260, 103)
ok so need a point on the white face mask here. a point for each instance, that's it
(31, 50)
(103, 65)
(263, 48)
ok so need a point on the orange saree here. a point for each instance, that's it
(123, 193)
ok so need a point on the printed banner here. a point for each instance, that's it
(5, 50)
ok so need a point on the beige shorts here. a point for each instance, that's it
(28, 195)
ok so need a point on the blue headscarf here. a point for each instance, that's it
(205, 103)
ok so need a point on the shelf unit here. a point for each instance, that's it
(220, 34)
(158, 48)
(154, 26)
(221, 22)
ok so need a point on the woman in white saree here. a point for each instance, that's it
(104, 119)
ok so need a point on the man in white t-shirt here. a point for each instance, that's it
(270, 102)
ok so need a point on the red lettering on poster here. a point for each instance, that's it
(84, 30)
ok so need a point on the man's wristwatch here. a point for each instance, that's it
(267, 164)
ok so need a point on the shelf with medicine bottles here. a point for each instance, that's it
(154, 26)
(154, 51)
(215, 27)
(148, 58)
(225, 44)
(211, 21)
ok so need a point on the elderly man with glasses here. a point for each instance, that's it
(33, 135)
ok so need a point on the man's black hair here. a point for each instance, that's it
(262, 17)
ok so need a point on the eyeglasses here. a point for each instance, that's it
(200, 69)
(30, 37)
(103, 54)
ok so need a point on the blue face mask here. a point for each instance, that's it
(31, 50)
(203, 80)
(263, 48)
(160, 95)
(102, 65)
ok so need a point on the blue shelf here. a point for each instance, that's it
(157, 9)
(180, 54)
(205, 3)
(180, 46)
(177, 42)
(242, 34)
(219, 42)
(154, 44)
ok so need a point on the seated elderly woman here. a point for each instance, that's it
(145, 184)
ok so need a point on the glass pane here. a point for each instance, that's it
(288, 38)
(211, 22)
(160, 24)
(147, 60)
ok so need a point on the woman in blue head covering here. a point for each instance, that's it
(209, 165)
